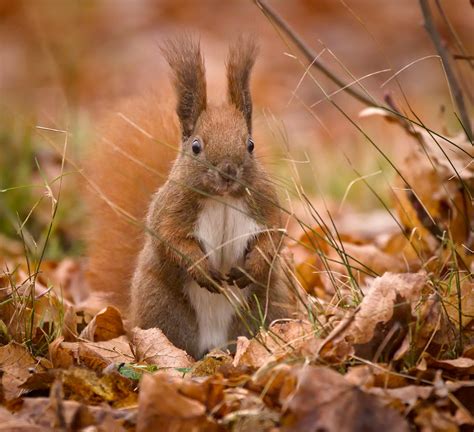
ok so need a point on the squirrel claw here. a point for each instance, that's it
(237, 277)
(213, 281)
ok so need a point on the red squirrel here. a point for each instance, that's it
(204, 266)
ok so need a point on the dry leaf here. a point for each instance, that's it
(436, 201)
(458, 366)
(106, 325)
(153, 347)
(95, 355)
(274, 384)
(245, 411)
(407, 395)
(87, 386)
(62, 354)
(39, 381)
(17, 365)
(211, 363)
(11, 423)
(324, 400)
(162, 407)
(430, 419)
(390, 296)
(43, 413)
(451, 301)
(282, 338)
(369, 376)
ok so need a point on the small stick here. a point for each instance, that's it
(310, 55)
(453, 32)
(451, 77)
(463, 57)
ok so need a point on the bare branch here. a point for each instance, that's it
(392, 112)
(310, 55)
(463, 57)
(454, 34)
(451, 76)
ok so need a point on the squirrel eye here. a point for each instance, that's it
(196, 146)
(250, 145)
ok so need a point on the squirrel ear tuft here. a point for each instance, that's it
(189, 80)
(241, 58)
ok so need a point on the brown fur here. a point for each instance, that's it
(185, 59)
(240, 62)
(168, 258)
(113, 242)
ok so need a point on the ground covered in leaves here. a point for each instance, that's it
(384, 336)
(386, 341)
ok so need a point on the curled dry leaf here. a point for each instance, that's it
(98, 355)
(70, 324)
(324, 400)
(468, 352)
(92, 388)
(12, 423)
(459, 366)
(309, 275)
(106, 325)
(95, 355)
(433, 197)
(390, 302)
(430, 419)
(407, 396)
(274, 384)
(153, 347)
(438, 315)
(366, 376)
(39, 381)
(62, 354)
(17, 366)
(281, 338)
(163, 407)
(406, 247)
(48, 413)
(247, 412)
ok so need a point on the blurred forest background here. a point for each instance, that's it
(62, 63)
(380, 244)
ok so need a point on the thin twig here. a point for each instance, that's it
(463, 57)
(451, 77)
(454, 34)
(310, 55)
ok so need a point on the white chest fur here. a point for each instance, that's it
(224, 228)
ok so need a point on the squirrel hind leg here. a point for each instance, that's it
(157, 302)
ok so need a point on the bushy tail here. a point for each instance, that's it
(128, 162)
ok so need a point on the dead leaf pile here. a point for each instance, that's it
(386, 341)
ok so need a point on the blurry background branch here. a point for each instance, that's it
(310, 55)
(391, 110)
(450, 74)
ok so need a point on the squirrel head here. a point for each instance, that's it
(217, 146)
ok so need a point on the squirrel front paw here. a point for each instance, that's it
(238, 277)
(211, 280)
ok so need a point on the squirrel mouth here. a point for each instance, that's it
(223, 184)
(228, 187)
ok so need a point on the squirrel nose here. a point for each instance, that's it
(228, 171)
